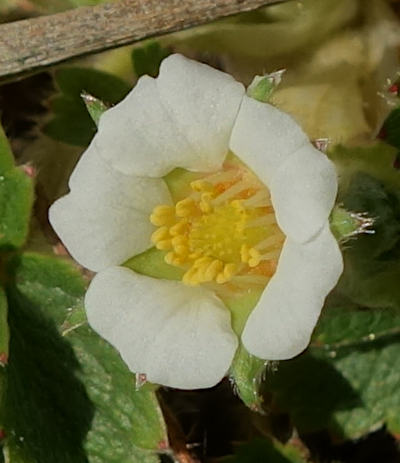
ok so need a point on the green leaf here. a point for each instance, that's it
(16, 198)
(6, 156)
(89, 407)
(4, 332)
(370, 184)
(72, 123)
(147, 59)
(376, 160)
(348, 381)
(391, 128)
(4, 340)
(263, 450)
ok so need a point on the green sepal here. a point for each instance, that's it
(94, 106)
(346, 224)
(71, 122)
(246, 374)
(262, 87)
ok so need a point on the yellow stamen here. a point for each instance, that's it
(224, 231)
(162, 215)
(186, 207)
(160, 234)
(200, 185)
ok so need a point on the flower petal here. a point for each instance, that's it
(280, 326)
(204, 104)
(181, 119)
(138, 136)
(303, 192)
(178, 336)
(264, 137)
(104, 220)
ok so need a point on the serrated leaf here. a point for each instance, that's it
(16, 198)
(348, 382)
(263, 450)
(72, 123)
(89, 407)
(147, 59)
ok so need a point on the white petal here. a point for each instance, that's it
(181, 119)
(204, 103)
(264, 137)
(178, 336)
(104, 220)
(139, 137)
(303, 192)
(281, 324)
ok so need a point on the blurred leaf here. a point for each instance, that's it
(71, 122)
(370, 184)
(376, 160)
(391, 128)
(6, 156)
(79, 398)
(16, 198)
(56, 6)
(4, 332)
(348, 381)
(4, 340)
(262, 450)
(147, 59)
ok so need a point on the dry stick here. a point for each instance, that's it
(32, 44)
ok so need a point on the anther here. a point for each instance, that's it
(159, 235)
(185, 208)
(164, 245)
(162, 215)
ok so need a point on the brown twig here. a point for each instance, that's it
(31, 44)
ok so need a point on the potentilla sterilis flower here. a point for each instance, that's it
(253, 214)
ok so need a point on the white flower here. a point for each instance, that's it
(178, 334)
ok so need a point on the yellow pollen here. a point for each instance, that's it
(162, 215)
(225, 229)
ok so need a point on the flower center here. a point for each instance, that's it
(224, 231)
